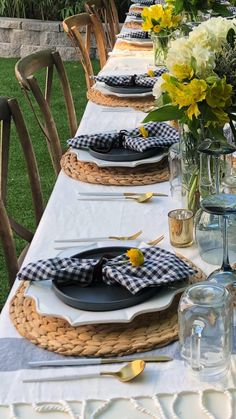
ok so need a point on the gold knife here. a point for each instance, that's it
(95, 361)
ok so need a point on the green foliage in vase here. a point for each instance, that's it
(193, 7)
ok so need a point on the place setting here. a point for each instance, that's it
(129, 154)
(128, 86)
(134, 90)
(77, 292)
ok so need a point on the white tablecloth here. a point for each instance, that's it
(66, 217)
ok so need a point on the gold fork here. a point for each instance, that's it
(96, 239)
(156, 241)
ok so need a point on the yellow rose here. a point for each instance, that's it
(150, 73)
(156, 28)
(143, 131)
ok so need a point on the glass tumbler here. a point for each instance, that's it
(174, 159)
(205, 329)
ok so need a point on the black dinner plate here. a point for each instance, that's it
(100, 296)
(130, 90)
(124, 154)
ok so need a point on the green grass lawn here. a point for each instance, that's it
(19, 199)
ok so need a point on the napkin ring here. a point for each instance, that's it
(97, 269)
(115, 143)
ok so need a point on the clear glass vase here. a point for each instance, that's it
(189, 143)
(161, 44)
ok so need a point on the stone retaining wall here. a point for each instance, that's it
(20, 37)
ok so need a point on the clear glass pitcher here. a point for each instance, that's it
(205, 329)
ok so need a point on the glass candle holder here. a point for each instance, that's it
(181, 227)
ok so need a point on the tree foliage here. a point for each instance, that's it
(50, 9)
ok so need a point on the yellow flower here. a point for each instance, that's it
(147, 25)
(146, 12)
(156, 11)
(158, 17)
(135, 256)
(182, 71)
(193, 110)
(185, 94)
(150, 73)
(143, 131)
(176, 20)
(156, 28)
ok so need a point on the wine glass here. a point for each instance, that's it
(208, 226)
(223, 205)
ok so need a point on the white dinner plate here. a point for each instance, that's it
(48, 304)
(85, 156)
(106, 91)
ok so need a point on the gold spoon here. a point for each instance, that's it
(128, 372)
(145, 197)
(125, 374)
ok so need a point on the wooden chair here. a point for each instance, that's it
(115, 16)
(25, 70)
(72, 27)
(10, 112)
(105, 10)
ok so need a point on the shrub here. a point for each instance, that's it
(50, 9)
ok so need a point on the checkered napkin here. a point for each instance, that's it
(134, 34)
(160, 268)
(134, 14)
(141, 80)
(160, 135)
(148, 2)
(232, 9)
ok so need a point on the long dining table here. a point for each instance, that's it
(163, 390)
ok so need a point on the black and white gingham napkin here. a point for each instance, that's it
(148, 2)
(141, 80)
(232, 9)
(134, 14)
(134, 34)
(159, 135)
(160, 268)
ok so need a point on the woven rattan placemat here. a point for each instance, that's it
(136, 9)
(145, 332)
(133, 25)
(91, 173)
(122, 45)
(139, 103)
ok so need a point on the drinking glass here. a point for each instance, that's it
(208, 226)
(205, 329)
(223, 205)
